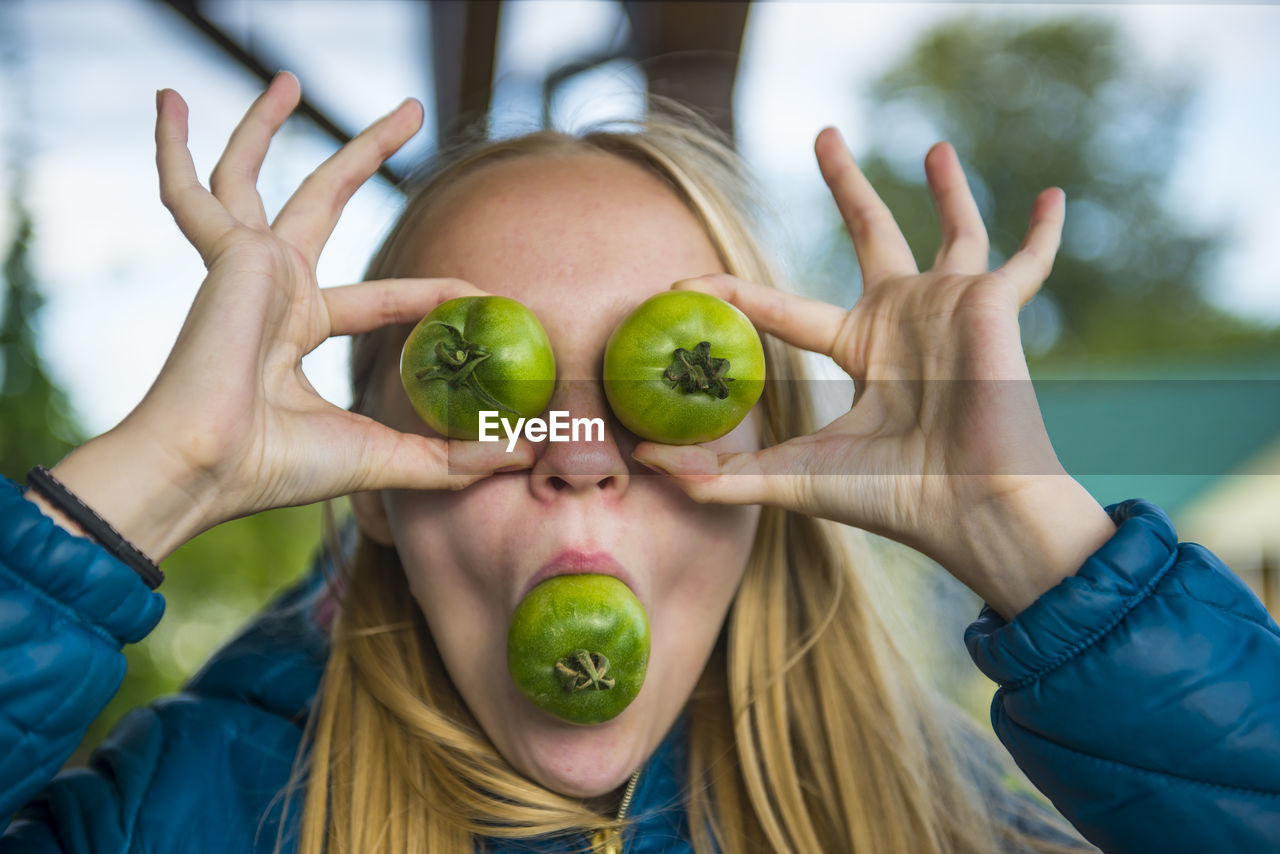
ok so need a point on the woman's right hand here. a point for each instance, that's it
(232, 426)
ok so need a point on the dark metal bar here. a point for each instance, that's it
(264, 69)
(690, 52)
(464, 37)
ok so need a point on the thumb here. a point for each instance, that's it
(708, 477)
(411, 461)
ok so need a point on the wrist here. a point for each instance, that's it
(137, 489)
(1014, 547)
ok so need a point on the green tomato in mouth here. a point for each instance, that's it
(578, 647)
(477, 353)
(683, 367)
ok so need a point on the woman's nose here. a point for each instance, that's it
(586, 452)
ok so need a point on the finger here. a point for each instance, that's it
(1031, 264)
(395, 460)
(705, 476)
(964, 246)
(749, 477)
(234, 180)
(805, 323)
(385, 302)
(308, 218)
(882, 250)
(198, 214)
(480, 459)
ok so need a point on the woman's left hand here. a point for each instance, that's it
(944, 448)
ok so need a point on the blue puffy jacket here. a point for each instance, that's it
(1142, 695)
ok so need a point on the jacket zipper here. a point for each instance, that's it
(609, 841)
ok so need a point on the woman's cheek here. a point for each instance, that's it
(709, 556)
(431, 534)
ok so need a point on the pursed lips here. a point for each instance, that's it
(579, 562)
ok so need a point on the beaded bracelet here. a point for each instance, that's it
(40, 479)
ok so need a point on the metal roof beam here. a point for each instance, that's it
(690, 51)
(464, 38)
(265, 68)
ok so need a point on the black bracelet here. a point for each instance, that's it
(94, 525)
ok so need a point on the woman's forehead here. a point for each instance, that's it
(583, 225)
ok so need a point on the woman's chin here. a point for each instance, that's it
(580, 761)
(582, 781)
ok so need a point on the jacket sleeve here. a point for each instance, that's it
(66, 609)
(1142, 696)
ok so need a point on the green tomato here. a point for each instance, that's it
(578, 646)
(683, 367)
(477, 353)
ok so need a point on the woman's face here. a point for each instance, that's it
(581, 240)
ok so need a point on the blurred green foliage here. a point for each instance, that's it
(214, 583)
(1067, 103)
(38, 425)
(1061, 103)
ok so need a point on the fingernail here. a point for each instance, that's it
(513, 467)
(159, 98)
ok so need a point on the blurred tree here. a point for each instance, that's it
(215, 582)
(1056, 103)
(37, 424)
(1062, 103)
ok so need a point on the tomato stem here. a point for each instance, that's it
(458, 361)
(582, 670)
(697, 370)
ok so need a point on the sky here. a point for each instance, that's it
(79, 81)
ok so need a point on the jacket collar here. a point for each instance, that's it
(659, 820)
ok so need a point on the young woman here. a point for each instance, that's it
(372, 711)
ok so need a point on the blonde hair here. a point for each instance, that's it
(809, 730)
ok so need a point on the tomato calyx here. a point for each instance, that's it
(583, 670)
(458, 361)
(578, 647)
(697, 370)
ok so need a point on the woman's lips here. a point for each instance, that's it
(579, 562)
